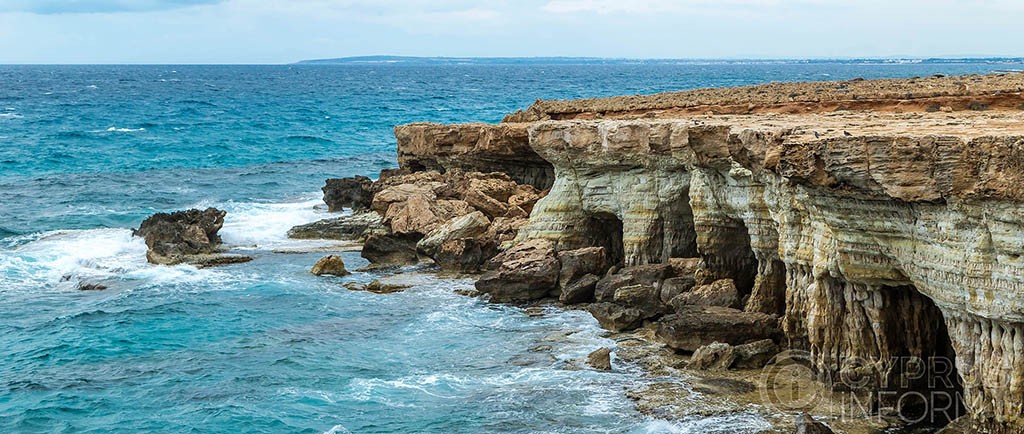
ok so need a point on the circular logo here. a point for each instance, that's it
(788, 382)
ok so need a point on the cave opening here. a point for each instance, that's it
(727, 253)
(604, 229)
(924, 385)
(679, 235)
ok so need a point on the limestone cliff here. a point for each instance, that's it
(892, 228)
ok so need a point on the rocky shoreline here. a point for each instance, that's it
(858, 242)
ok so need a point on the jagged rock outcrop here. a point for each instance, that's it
(870, 220)
(186, 237)
(355, 193)
(473, 148)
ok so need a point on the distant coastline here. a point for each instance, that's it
(412, 60)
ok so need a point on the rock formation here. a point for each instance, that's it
(874, 221)
(186, 237)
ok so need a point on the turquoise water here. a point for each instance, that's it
(87, 152)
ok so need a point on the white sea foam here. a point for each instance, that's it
(10, 116)
(62, 259)
(125, 130)
(266, 225)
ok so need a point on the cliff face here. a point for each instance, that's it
(876, 236)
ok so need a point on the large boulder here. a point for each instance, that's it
(685, 267)
(641, 297)
(580, 290)
(719, 293)
(331, 265)
(183, 236)
(391, 249)
(350, 227)
(650, 274)
(470, 225)
(354, 193)
(580, 262)
(616, 317)
(674, 286)
(692, 327)
(721, 356)
(528, 271)
(463, 255)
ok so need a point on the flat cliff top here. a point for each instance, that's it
(816, 126)
(936, 93)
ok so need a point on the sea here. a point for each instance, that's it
(87, 152)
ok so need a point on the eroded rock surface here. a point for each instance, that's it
(186, 237)
(866, 220)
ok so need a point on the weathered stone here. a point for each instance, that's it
(391, 249)
(674, 286)
(83, 286)
(642, 297)
(351, 193)
(684, 267)
(720, 293)
(526, 272)
(464, 255)
(468, 226)
(720, 356)
(176, 237)
(376, 287)
(600, 359)
(332, 265)
(606, 287)
(350, 227)
(579, 262)
(616, 317)
(693, 327)
(580, 290)
(805, 424)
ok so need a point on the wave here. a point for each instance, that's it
(10, 115)
(309, 139)
(125, 130)
(63, 259)
(266, 225)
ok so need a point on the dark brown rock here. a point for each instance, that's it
(525, 272)
(579, 291)
(692, 327)
(464, 255)
(684, 267)
(642, 297)
(579, 262)
(391, 249)
(354, 193)
(674, 286)
(616, 317)
(172, 238)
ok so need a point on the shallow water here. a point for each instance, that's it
(87, 152)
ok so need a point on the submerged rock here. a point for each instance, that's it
(376, 287)
(330, 265)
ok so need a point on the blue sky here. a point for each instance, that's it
(283, 31)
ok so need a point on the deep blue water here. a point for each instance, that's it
(87, 152)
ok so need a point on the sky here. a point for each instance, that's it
(285, 31)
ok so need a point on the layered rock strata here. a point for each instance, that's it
(878, 221)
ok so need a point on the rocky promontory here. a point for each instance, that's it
(876, 227)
